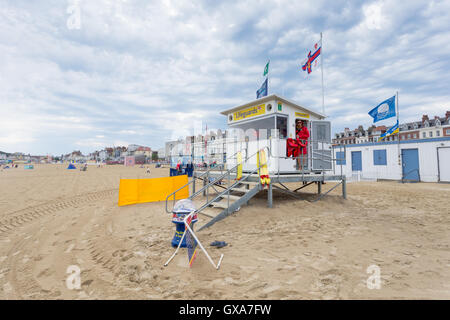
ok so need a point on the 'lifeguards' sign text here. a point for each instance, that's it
(249, 112)
(301, 115)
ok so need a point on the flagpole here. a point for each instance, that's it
(398, 145)
(321, 66)
(268, 80)
(206, 145)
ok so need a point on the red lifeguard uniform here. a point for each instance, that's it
(302, 136)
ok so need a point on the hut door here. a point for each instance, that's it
(320, 145)
(410, 165)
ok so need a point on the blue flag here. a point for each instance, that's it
(384, 110)
(262, 92)
(392, 130)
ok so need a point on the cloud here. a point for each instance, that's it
(142, 72)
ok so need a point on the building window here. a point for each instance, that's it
(414, 135)
(447, 131)
(430, 134)
(409, 136)
(438, 133)
(379, 157)
(340, 158)
(424, 134)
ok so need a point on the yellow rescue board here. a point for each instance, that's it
(263, 169)
(239, 168)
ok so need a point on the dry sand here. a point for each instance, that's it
(51, 218)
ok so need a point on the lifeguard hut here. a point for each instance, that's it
(269, 122)
(262, 127)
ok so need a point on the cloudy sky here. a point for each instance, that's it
(87, 74)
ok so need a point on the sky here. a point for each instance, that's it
(82, 75)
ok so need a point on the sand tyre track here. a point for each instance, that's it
(18, 218)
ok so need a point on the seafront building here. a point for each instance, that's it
(425, 129)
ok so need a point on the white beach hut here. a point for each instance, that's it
(267, 123)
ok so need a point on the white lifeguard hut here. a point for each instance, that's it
(257, 128)
(269, 122)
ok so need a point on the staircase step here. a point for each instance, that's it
(232, 198)
(251, 183)
(209, 212)
(241, 190)
(222, 204)
(213, 212)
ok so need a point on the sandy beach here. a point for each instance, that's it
(52, 218)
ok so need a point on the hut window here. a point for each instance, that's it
(321, 132)
(261, 128)
(282, 127)
(379, 157)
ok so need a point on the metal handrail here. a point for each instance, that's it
(299, 157)
(229, 188)
(187, 184)
(235, 154)
(229, 170)
(332, 159)
(215, 181)
(285, 157)
(313, 158)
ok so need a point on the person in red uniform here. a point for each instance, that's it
(302, 135)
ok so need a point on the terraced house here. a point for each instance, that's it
(425, 129)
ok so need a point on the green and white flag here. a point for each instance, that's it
(266, 69)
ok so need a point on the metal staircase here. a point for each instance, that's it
(222, 203)
(229, 203)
